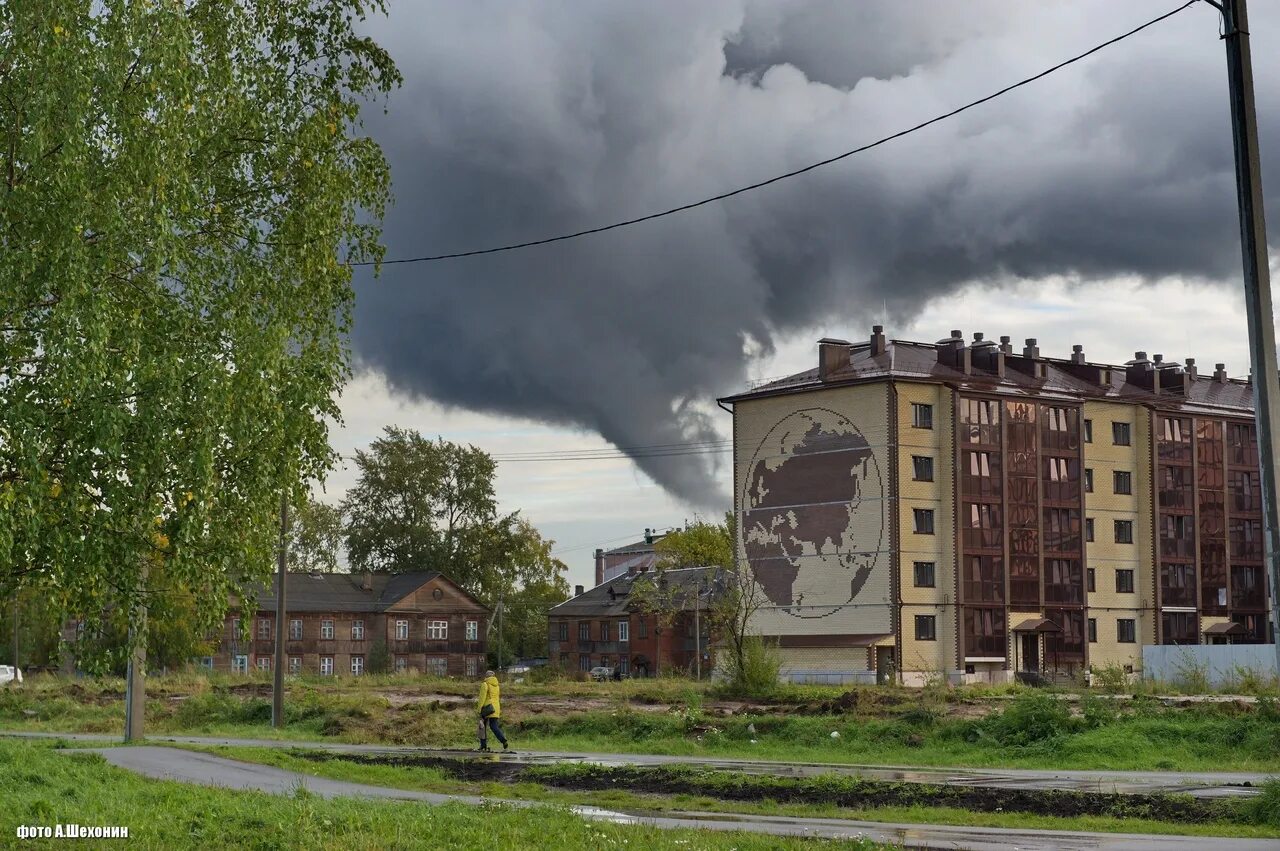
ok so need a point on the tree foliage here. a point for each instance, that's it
(181, 182)
(424, 504)
(315, 536)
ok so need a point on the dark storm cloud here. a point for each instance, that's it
(518, 121)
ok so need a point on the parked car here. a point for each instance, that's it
(9, 674)
(600, 672)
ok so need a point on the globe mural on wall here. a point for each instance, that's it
(813, 513)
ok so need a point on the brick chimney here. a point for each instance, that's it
(877, 340)
(1006, 345)
(577, 590)
(1031, 350)
(1077, 354)
(1191, 368)
(599, 566)
(366, 581)
(1220, 373)
(832, 354)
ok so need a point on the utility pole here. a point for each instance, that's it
(1257, 280)
(499, 632)
(277, 684)
(15, 627)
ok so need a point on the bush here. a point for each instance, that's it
(756, 673)
(1264, 808)
(1031, 719)
(1111, 678)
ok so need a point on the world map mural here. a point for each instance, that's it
(813, 513)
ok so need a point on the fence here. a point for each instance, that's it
(1219, 664)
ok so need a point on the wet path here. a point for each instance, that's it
(1198, 784)
(208, 770)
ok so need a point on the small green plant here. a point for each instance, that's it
(1111, 678)
(1192, 674)
(757, 673)
(1264, 808)
(1032, 718)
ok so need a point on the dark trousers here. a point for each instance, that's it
(495, 727)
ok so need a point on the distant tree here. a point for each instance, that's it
(379, 661)
(531, 581)
(182, 184)
(421, 504)
(315, 536)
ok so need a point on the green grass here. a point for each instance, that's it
(1241, 819)
(43, 787)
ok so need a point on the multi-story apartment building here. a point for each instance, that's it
(956, 509)
(631, 558)
(424, 622)
(608, 626)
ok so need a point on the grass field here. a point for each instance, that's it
(43, 787)
(723, 792)
(979, 728)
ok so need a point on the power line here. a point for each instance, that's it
(682, 208)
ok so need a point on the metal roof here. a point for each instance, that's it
(599, 602)
(345, 592)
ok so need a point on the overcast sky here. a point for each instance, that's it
(1095, 206)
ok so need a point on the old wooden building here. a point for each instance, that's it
(339, 622)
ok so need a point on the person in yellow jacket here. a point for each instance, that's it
(490, 708)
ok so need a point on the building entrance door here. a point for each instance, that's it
(884, 665)
(1030, 651)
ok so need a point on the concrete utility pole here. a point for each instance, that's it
(277, 684)
(1257, 280)
(135, 694)
(499, 671)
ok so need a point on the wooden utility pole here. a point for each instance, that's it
(277, 684)
(1257, 281)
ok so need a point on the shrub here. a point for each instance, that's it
(1031, 718)
(1264, 808)
(756, 673)
(1111, 678)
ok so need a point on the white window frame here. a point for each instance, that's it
(264, 663)
(402, 630)
(326, 630)
(240, 664)
(357, 665)
(624, 631)
(473, 630)
(295, 629)
(438, 666)
(295, 664)
(473, 666)
(402, 664)
(326, 666)
(357, 630)
(264, 629)
(206, 662)
(437, 630)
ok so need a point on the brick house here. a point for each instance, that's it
(632, 558)
(427, 622)
(606, 627)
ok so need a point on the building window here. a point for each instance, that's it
(473, 666)
(295, 664)
(1093, 630)
(326, 666)
(604, 630)
(235, 627)
(923, 521)
(584, 632)
(295, 630)
(1088, 431)
(1091, 578)
(1088, 480)
(921, 415)
(1120, 434)
(922, 468)
(264, 663)
(624, 631)
(1088, 530)
(1125, 631)
(326, 629)
(1124, 481)
(239, 664)
(1124, 531)
(624, 665)
(473, 630)
(402, 664)
(926, 628)
(437, 666)
(1124, 581)
(402, 630)
(584, 662)
(564, 630)
(924, 574)
(644, 627)
(604, 661)
(357, 665)
(357, 630)
(264, 628)
(437, 630)
(206, 662)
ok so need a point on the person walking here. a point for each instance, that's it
(490, 707)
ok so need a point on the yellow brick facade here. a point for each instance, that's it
(1103, 555)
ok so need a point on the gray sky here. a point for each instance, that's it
(1095, 206)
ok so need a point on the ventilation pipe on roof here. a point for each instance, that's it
(1077, 354)
(577, 590)
(1220, 373)
(986, 355)
(1142, 372)
(952, 353)
(832, 354)
(877, 340)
